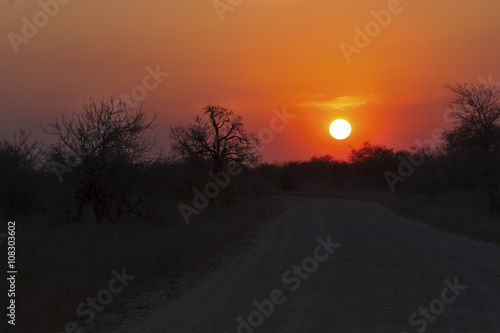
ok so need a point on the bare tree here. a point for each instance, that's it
(477, 111)
(475, 139)
(219, 135)
(105, 142)
(105, 131)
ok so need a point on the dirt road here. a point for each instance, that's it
(330, 265)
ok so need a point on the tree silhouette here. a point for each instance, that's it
(477, 114)
(101, 146)
(219, 135)
(475, 139)
(372, 155)
(23, 152)
(20, 164)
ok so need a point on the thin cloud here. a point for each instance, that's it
(343, 103)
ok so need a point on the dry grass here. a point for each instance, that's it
(75, 261)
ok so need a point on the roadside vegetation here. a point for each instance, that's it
(104, 197)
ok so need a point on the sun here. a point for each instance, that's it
(340, 129)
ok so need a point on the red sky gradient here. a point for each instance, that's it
(264, 55)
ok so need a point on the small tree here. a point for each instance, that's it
(23, 152)
(19, 166)
(219, 135)
(371, 155)
(370, 161)
(103, 144)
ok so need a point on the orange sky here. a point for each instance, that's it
(264, 55)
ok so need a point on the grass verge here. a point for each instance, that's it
(75, 261)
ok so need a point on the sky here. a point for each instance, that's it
(379, 64)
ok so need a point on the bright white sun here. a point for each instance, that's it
(340, 129)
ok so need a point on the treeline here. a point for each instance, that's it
(105, 165)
